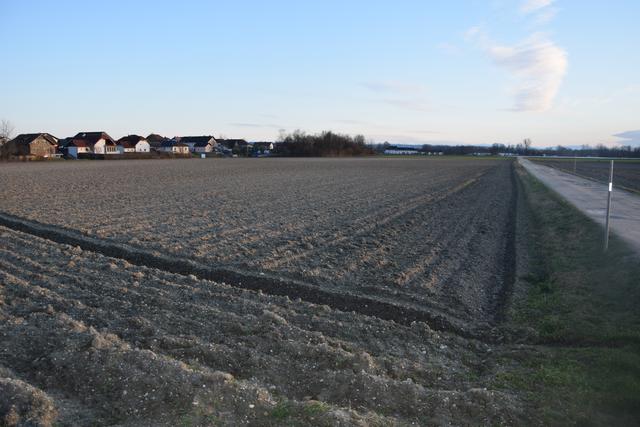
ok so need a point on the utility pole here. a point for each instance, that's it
(606, 227)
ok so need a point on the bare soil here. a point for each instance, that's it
(420, 232)
(88, 339)
(95, 340)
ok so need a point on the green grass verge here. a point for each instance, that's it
(583, 306)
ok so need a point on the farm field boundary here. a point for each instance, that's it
(626, 171)
(578, 307)
(257, 282)
(590, 198)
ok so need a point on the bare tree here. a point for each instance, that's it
(6, 131)
(527, 145)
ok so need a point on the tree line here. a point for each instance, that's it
(323, 144)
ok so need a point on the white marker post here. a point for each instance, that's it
(606, 227)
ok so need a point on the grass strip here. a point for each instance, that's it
(582, 307)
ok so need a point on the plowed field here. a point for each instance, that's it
(95, 333)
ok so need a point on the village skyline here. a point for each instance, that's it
(466, 72)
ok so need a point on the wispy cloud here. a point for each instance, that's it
(630, 137)
(538, 66)
(530, 6)
(545, 16)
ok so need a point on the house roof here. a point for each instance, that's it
(64, 141)
(78, 143)
(171, 143)
(154, 137)
(131, 140)
(230, 142)
(199, 141)
(90, 138)
(28, 138)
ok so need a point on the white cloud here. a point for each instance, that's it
(529, 6)
(538, 66)
(545, 16)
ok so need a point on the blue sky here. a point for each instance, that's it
(558, 72)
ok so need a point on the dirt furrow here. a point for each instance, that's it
(274, 285)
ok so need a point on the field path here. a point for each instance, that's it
(590, 197)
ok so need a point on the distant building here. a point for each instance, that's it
(231, 144)
(133, 144)
(395, 150)
(33, 144)
(74, 148)
(155, 141)
(199, 144)
(63, 144)
(263, 147)
(93, 143)
(174, 147)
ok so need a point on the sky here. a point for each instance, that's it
(560, 72)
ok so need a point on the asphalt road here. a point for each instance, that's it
(591, 198)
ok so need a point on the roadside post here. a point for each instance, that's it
(606, 227)
(575, 164)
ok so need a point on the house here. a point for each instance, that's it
(92, 142)
(74, 148)
(174, 147)
(263, 147)
(155, 141)
(63, 145)
(133, 144)
(33, 144)
(234, 144)
(199, 144)
(399, 150)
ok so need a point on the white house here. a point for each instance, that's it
(94, 142)
(133, 144)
